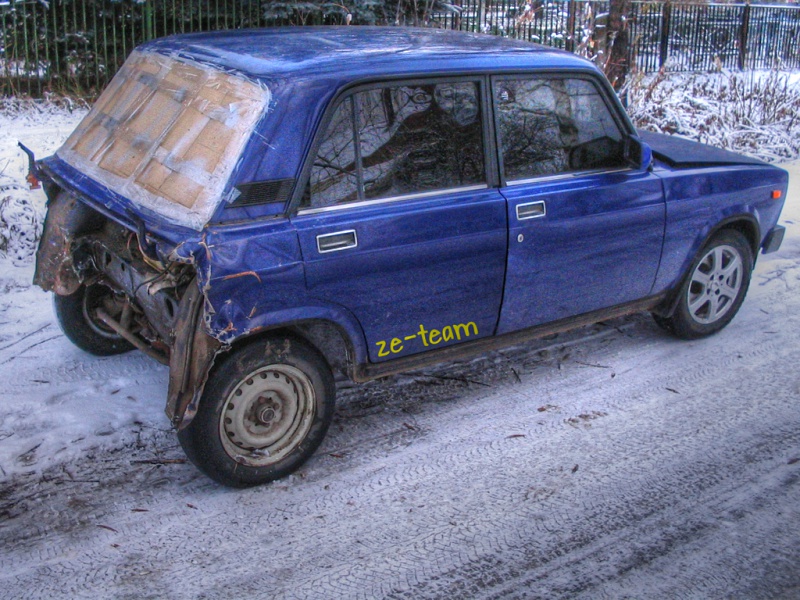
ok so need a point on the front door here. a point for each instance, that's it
(585, 228)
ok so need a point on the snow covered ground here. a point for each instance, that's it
(609, 462)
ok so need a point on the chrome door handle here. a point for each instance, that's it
(341, 240)
(531, 210)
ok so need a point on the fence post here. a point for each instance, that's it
(663, 37)
(148, 14)
(744, 34)
(572, 9)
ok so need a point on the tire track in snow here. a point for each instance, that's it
(459, 509)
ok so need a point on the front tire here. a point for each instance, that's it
(76, 317)
(263, 413)
(714, 288)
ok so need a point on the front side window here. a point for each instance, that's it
(405, 139)
(549, 126)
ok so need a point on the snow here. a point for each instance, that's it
(754, 113)
(603, 463)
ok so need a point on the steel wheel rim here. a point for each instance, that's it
(267, 415)
(715, 284)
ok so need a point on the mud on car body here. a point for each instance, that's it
(260, 209)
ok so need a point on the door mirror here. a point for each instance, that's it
(639, 153)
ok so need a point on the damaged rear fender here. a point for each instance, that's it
(332, 330)
(191, 358)
(67, 218)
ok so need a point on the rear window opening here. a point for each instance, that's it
(166, 134)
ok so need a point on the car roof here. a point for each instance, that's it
(305, 68)
(352, 53)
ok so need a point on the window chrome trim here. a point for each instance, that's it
(417, 196)
(560, 176)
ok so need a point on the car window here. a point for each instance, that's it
(409, 139)
(549, 126)
(333, 174)
(420, 138)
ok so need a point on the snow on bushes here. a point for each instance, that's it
(757, 114)
(21, 222)
(43, 126)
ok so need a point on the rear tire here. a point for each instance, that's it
(714, 288)
(264, 411)
(75, 315)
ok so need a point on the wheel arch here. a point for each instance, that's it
(196, 353)
(328, 337)
(744, 223)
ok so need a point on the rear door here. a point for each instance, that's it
(399, 224)
(585, 228)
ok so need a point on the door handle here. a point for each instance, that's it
(531, 210)
(341, 240)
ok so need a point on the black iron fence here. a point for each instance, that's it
(677, 37)
(77, 45)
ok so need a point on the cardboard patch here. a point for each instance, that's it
(167, 133)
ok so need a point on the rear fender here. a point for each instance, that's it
(67, 218)
(194, 350)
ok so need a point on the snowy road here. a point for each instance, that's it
(609, 462)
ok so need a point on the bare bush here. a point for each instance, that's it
(757, 114)
(20, 222)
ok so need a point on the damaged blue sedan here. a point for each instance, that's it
(262, 209)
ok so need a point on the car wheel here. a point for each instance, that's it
(76, 317)
(263, 413)
(714, 288)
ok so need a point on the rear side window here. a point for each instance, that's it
(402, 140)
(333, 176)
(549, 126)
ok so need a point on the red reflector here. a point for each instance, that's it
(776, 194)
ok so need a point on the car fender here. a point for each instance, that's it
(742, 218)
(196, 348)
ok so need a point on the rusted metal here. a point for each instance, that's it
(33, 172)
(366, 372)
(55, 268)
(244, 274)
(192, 356)
(130, 337)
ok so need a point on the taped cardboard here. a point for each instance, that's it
(166, 134)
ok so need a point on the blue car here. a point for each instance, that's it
(262, 209)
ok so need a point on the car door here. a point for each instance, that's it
(399, 224)
(585, 227)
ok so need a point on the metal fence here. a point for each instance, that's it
(676, 37)
(77, 45)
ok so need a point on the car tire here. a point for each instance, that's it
(714, 288)
(264, 411)
(75, 316)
